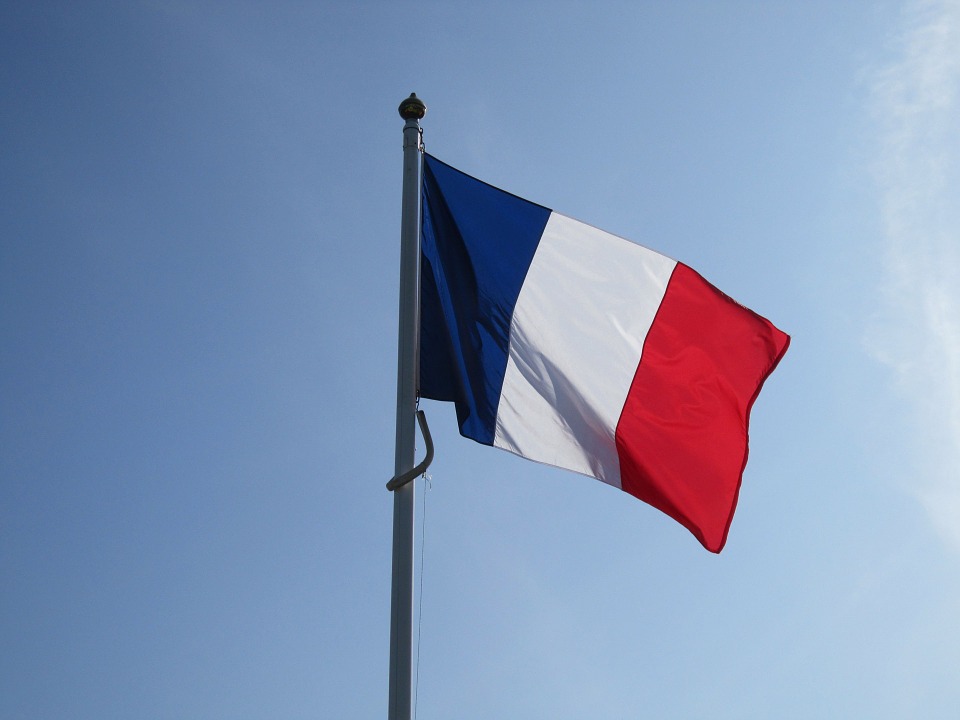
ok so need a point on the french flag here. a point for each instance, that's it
(576, 348)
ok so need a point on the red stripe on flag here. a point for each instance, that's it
(682, 435)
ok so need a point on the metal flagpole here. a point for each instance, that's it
(401, 600)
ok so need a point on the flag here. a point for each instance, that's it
(576, 348)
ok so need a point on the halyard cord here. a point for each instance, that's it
(423, 518)
(423, 538)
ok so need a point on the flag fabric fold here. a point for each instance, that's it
(573, 347)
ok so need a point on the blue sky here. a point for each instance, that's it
(198, 281)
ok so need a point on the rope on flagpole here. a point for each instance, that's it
(423, 543)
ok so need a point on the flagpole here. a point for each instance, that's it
(401, 600)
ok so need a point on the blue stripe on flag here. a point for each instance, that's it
(476, 246)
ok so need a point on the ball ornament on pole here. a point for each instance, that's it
(412, 108)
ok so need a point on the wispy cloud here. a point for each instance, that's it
(916, 98)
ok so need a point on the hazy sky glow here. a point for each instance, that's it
(917, 99)
(198, 286)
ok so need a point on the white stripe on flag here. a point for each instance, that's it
(586, 305)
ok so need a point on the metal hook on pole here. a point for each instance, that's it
(402, 479)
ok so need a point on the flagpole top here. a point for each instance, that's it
(412, 108)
